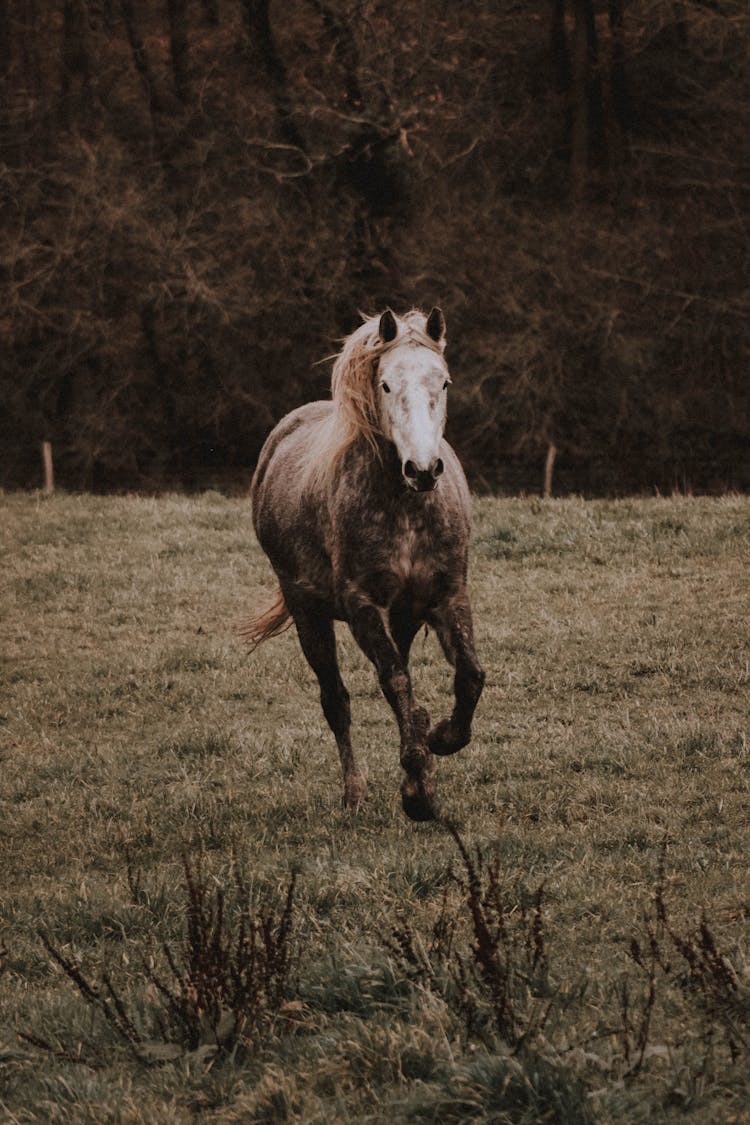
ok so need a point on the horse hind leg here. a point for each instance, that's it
(318, 641)
(453, 625)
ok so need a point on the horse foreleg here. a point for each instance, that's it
(318, 641)
(403, 629)
(455, 631)
(418, 790)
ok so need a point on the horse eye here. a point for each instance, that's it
(386, 388)
(445, 384)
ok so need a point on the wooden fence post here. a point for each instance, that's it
(49, 471)
(548, 468)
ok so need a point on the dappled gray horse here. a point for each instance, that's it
(363, 509)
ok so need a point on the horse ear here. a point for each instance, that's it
(387, 327)
(436, 325)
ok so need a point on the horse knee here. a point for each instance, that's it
(479, 679)
(395, 681)
(470, 682)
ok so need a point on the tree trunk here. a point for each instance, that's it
(371, 169)
(563, 72)
(559, 46)
(211, 12)
(8, 118)
(140, 58)
(344, 48)
(178, 42)
(5, 41)
(258, 24)
(75, 81)
(588, 119)
(621, 106)
(371, 165)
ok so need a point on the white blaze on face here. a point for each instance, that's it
(413, 383)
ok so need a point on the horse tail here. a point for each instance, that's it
(270, 623)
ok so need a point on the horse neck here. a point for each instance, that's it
(377, 473)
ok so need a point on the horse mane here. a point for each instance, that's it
(353, 394)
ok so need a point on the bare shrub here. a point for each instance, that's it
(225, 984)
(693, 963)
(495, 975)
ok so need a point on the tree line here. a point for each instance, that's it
(197, 197)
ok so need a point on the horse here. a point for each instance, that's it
(363, 510)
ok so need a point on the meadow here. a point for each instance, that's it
(193, 929)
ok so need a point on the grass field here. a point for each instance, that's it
(587, 960)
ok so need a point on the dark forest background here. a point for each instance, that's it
(197, 197)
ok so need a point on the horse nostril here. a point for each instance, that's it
(410, 470)
(438, 468)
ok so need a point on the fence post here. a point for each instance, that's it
(49, 471)
(548, 468)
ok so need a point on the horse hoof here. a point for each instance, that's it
(445, 739)
(419, 799)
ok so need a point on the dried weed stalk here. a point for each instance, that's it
(703, 971)
(226, 983)
(231, 977)
(497, 982)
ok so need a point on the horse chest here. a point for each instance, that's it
(412, 556)
(385, 559)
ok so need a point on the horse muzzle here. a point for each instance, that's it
(423, 480)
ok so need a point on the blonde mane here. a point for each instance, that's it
(353, 393)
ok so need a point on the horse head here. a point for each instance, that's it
(412, 383)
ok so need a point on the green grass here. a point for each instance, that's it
(609, 765)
